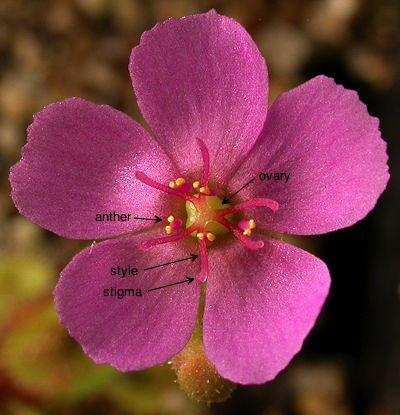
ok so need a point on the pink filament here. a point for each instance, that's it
(150, 182)
(185, 188)
(176, 224)
(237, 233)
(206, 161)
(252, 204)
(203, 275)
(167, 239)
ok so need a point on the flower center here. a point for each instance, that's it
(204, 214)
(207, 217)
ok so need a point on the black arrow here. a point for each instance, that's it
(192, 257)
(156, 219)
(225, 199)
(188, 280)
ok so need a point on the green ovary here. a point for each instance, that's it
(205, 215)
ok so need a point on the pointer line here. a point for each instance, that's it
(230, 197)
(192, 257)
(156, 219)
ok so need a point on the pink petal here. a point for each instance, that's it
(260, 306)
(131, 333)
(201, 76)
(322, 134)
(80, 161)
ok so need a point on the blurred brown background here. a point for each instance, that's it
(53, 49)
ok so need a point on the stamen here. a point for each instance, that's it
(196, 184)
(205, 190)
(174, 225)
(184, 187)
(150, 182)
(206, 161)
(246, 226)
(248, 243)
(203, 261)
(167, 239)
(180, 184)
(211, 237)
(269, 203)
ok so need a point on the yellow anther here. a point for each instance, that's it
(172, 185)
(180, 181)
(252, 224)
(211, 237)
(168, 229)
(205, 190)
(196, 185)
(200, 236)
(247, 232)
(170, 219)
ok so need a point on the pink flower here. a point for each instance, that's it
(201, 85)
